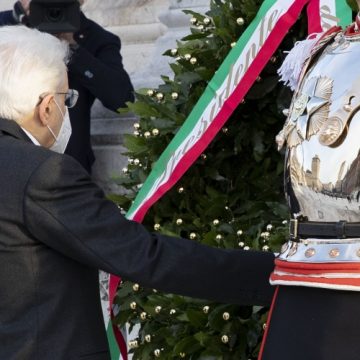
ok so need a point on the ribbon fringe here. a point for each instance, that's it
(291, 68)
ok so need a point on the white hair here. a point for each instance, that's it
(32, 63)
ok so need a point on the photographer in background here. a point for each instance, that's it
(95, 70)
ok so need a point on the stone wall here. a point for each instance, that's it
(146, 28)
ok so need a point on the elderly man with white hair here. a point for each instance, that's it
(57, 228)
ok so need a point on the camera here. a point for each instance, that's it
(54, 16)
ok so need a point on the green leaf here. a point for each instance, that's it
(136, 145)
(143, 109)
(196, 317)
(186, 345)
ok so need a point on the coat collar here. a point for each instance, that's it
(10, 127)
(81, 35)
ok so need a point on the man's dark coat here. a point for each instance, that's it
(57, 230)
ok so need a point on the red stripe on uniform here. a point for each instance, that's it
(317, 266)
(322, 280)
(268, 323)
(316, 272)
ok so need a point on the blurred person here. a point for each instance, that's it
(58, 229)
(95, 70)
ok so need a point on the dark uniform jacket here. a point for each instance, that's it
(57, 230)
(96, 71)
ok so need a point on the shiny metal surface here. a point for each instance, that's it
(321, 251)
(323, 140)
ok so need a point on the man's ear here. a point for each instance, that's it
(45, 109)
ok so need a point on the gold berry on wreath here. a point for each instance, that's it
(157, 227)
(207, 21)
(136, 162)
(216, 222)
(226, 316)
(136, 287)
(172, 312)
(233, 44)
(160, 96)
(225, 339)
(193, 60)
(150, 92)
(193, 20)
(240, 21)
(147, 134)
(174, 52)
(219, 237)
(192, 236)
(133, 344)
(133, 305)
(143, 315)
(187, 57)
(148, 338)
(158, 309)
(182, 355)
(136, 126)
(239, 232)
(206, 309)
(136, 133)
(155, 132)
(157, 352)
(174, 95)
(179, 222)
(180, 190)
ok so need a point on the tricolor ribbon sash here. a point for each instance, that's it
(223, 94)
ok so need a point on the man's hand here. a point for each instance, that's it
(26, 6)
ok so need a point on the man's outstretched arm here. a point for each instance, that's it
(66, 211)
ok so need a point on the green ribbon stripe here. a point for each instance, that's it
(343, 12)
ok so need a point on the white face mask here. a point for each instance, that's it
(62, 139)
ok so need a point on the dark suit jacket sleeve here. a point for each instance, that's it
(97, 63)
(6, 18)
(66, 211)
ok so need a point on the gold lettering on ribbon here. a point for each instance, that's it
(272, 21)
(266, 27)
(262, 32)
(170, 166)
(327, 19)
